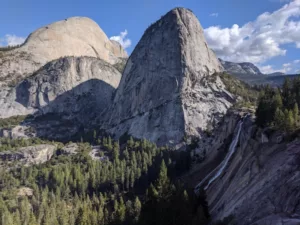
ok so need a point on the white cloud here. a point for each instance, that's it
(214, 14)
(296, 61)
(267, 69)
(259, 40)
(11, 40)
(281, 1)
(125, 42)
(286, 68)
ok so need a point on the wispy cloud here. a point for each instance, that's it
(214, 14)
(266, 69)
(125, 42)
(259, 40)
(285, 68)
(281, 1)
(11, 40)
(296, 61)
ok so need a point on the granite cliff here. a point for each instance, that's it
(63, 97)
(166, 92)
(59, 86)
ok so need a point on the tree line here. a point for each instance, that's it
(278, 107)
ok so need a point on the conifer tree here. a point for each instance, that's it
(82, 217)
(116, 150)
(95, 135)
(109, 144)
(296, 113)
(32, 219)
(279, 118)
(130, 143)
(289, 120)
(163, 183)
(152, 193)
(121, 212)
(100, 215)
(137, 206)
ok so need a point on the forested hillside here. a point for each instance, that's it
(133, 184)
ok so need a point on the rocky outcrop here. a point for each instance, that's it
(76, 36)
(70, 149)
(25, 191)
(62, 86)
(244, 68)
(166, 92)
(97, 153)
(29, 155)
(18, 131)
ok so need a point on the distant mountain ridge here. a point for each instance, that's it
(277, 74)
(245, 69)
(240, 68)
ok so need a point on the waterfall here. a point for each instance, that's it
(224, 163)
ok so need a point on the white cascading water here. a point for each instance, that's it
(223, 165)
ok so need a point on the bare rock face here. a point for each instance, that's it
(66, 85)
(25, 191)
(29, 155)
(261, 182)
(15, 132)
(167, 90)
(244, 68)
(76, 36)
(70, 149)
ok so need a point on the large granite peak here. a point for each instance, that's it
(76, 36)
(168, 89)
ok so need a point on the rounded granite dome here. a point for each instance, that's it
(75, 36)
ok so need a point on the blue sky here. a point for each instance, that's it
(238, 30)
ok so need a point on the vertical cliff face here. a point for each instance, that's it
(66, 85)
(64, 96)
(167, 91)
